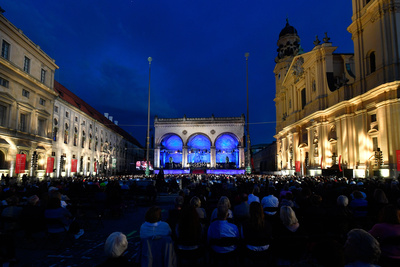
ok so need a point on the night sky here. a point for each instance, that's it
(197, 46)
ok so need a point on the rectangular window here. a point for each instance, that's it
(43, 76)
(303, 98)
(3, 114)
(55, 109)
(23, 122)
(42, 101)
(373, 118)
(41, 127)
(76, 119)
(5, 50)
(67, 114)
(27, 64)
(4, 82)
(25, 93)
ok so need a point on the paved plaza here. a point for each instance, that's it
(88, 249)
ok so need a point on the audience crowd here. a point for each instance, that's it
(224, 220)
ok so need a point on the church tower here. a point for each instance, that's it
(375, 33)
(288, 47)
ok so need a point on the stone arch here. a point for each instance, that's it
(171, 146)
(199, 149)
(227, 150)
(3, 159)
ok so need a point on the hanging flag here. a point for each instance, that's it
(50, 165)
(298, 165)
(322, 158)
(340, 163)
(398, 159)
(95, 167)
(74, 164)
(20, 163)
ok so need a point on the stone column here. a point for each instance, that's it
(184, 156)
(157, 157)
(213, 157)
(241, 157)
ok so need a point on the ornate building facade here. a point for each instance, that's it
(209, 143)
(341, 111)
(46, 130)
(26, 103)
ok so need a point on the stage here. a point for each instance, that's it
(202, 171)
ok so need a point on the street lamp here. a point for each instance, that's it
(148, 124)
(248, 167)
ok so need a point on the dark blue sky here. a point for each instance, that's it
(197, 46)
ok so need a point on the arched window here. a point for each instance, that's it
(75, 136)
(3, 162)
(66, 133)
(90, 141)
(83, 139)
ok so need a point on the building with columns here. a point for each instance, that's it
(341, 111)
(199, 143)
(26, 103)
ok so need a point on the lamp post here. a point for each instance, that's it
(148, 124)
(248, 167)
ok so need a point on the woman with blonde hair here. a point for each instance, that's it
(223, 202)
(196, 203)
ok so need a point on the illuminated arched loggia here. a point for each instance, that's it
(171, 151)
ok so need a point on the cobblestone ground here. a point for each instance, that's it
(88, 249)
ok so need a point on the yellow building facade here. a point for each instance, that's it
(26, 103)
(341, 111)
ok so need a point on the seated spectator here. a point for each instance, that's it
(241, 211)
(12, 212)
(175, 213)
(196, 203)
(223, 201)
(55, 211)
(314, 216)
(114, 248)
(153, 226)
(378, 201)
(290, 240)
(290, 223)
(359, 205)
(256, 232)
(287, 200)
(254, 195)
(189, 231)
(33, 216)
(340, 217)
(270, 201)
(386, 230)
(361, 249)
(221, 228)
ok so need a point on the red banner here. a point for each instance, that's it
(20, 163)
(340, 163)
(298, 166)
(50, 165)
(398, 159)
(74, 164)
(95, 167)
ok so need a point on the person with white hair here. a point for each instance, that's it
(114, 248)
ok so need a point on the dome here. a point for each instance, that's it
(287, 30)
